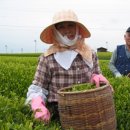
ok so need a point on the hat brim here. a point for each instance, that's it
(47, 35)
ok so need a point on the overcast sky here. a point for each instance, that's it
(21, 22)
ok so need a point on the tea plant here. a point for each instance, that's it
(16, 74)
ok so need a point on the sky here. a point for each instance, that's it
(22, 21)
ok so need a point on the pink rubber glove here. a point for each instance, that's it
(41, 112)
(98, 79)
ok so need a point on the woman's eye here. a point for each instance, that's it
(60, 27)
(71, 25)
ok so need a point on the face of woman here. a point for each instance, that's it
(67, 29)
(127, 39)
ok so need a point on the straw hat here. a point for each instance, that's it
(47, 34)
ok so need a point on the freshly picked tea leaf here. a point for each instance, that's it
(82, 87)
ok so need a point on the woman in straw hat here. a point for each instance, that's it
(68, 61)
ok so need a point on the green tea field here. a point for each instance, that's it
(16, 74)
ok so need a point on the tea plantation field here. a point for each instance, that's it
(16, 74)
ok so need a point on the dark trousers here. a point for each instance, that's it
(53, 108)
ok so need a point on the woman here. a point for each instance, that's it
(68, 61)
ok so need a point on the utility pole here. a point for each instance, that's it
(35, 45)
(21, 50)
(6, 48)
(11, 51)
(107, 45)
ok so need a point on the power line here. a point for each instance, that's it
(20, 26)
(26, 27)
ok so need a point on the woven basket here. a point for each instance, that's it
(90, 110)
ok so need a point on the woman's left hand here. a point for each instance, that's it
(98, 79)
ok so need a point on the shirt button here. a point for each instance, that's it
(78, 82)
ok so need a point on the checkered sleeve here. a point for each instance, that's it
(42, 75)
(96, 67)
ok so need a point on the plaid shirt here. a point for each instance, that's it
(51, 76)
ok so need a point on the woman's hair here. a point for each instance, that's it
(57, 24)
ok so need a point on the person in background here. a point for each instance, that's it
(68, 61)
(120, 60)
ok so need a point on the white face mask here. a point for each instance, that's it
(64, 39)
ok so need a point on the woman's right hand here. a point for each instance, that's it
(40, 110)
